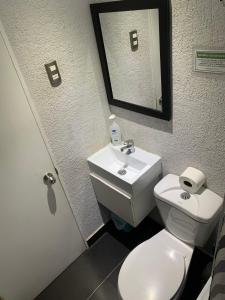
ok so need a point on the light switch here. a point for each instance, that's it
(53, 74)
(134, 40)
(53, 68)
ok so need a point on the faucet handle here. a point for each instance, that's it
(129, 142)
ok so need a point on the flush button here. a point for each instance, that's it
(185, 196)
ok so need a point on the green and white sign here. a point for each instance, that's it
(211, 61)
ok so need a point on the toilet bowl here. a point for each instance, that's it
(157, 269)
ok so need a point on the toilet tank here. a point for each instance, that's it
(191, 218)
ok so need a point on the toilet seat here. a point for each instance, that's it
(152, 271)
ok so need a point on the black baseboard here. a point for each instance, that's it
(98, 235)
(145, 230)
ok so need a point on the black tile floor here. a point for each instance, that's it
(93, 269)
(94, 275)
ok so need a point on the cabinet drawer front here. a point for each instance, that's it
(113, 198)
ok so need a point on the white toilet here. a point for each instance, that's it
(157, 269)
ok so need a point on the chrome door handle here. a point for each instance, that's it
(49, 179)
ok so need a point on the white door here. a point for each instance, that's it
(39, 237)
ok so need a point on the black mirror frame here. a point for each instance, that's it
(164, 7)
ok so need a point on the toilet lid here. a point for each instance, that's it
(151, 273)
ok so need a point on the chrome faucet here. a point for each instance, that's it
(129, 145)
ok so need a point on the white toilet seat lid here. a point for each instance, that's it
(151, 273)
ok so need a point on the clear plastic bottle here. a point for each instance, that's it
(115, 132)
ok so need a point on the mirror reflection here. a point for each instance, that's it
(132, 46)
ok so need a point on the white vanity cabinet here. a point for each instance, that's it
(129, 194)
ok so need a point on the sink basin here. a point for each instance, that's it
(113, 161)
(128, 172)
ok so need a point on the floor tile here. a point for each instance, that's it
(87, 272)
(149, 228)
(195, 279)
(145, 230)
(109, 289)
(94, 275)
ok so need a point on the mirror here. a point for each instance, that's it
(131, 42)
(134, 47)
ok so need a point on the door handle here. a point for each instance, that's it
(49, 179)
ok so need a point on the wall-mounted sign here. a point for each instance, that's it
(210, 61)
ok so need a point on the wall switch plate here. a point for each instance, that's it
(53, 74)
(134, 40)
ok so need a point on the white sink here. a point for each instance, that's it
(129, 194)
(138, 167)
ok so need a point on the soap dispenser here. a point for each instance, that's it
(115, 132)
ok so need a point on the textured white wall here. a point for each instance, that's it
(196, 135)
(73, 115)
